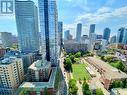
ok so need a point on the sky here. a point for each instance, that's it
(103, 13)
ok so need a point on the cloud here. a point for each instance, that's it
(104, 15)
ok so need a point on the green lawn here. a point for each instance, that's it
(79, 71)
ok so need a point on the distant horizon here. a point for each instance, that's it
(103, 13)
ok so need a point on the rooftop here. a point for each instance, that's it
(39, 64)
(49, 84)
(7, 61)
(109, 71)
(119, 91)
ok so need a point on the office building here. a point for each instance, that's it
(79, 32)
(49, 29)
(6, 39)
(113, 39)
(11, 75)
(60, 30)
(92, 29)
(106, 34)
(27, 26)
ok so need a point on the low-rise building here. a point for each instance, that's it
(42, 79)
(39, 71)
(108, 73)
(118, 91)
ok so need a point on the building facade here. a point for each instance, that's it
(11, 75)
(122, 36)
(60, 30)
(106, 34)
(39, 71)
(27, 26)
(6, 39)
(49, 29)
(92, 29)
(79, 32)
(113, 39)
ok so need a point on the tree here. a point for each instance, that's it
(78, 54)
(72, 87)
(86, 90)
(99, 92)
(72, 58)
(68, 64)
(65, 53)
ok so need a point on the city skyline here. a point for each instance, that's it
(108, 13)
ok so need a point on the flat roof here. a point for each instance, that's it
(120, 91)
(109, 71)
(49, 84)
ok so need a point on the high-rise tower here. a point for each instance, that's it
(79, 32)
(49, 29)
(27, 26)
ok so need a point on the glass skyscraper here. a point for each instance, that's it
(122, 36)
(60, 30)
(27, 26)
(106, 34)
(92, 29)
(79, 32)
(49, 29)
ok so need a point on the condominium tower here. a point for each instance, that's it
(11, 75)
(92, 29)
(49, 29)
(27, 26)
(79, 32)
(6, 39)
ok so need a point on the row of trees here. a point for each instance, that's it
(119, 84)
(87, 91)
(114, 62)
(72, 87)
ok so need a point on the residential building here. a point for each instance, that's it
(113, 39)
(6, 39)
(27, 26)
(41, 79)
(104, 44)
(66, 35)
(92, 29)
(120, 35)
(79, 32)
(39, 71)
(106, 34)
(49, 29)
(92, 41)
(125, 36)
(99, 37)
(84, 37)
(2, 52)
(74, 46)
(11, 75)
(60, 30)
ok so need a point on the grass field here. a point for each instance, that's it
(79, 71)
